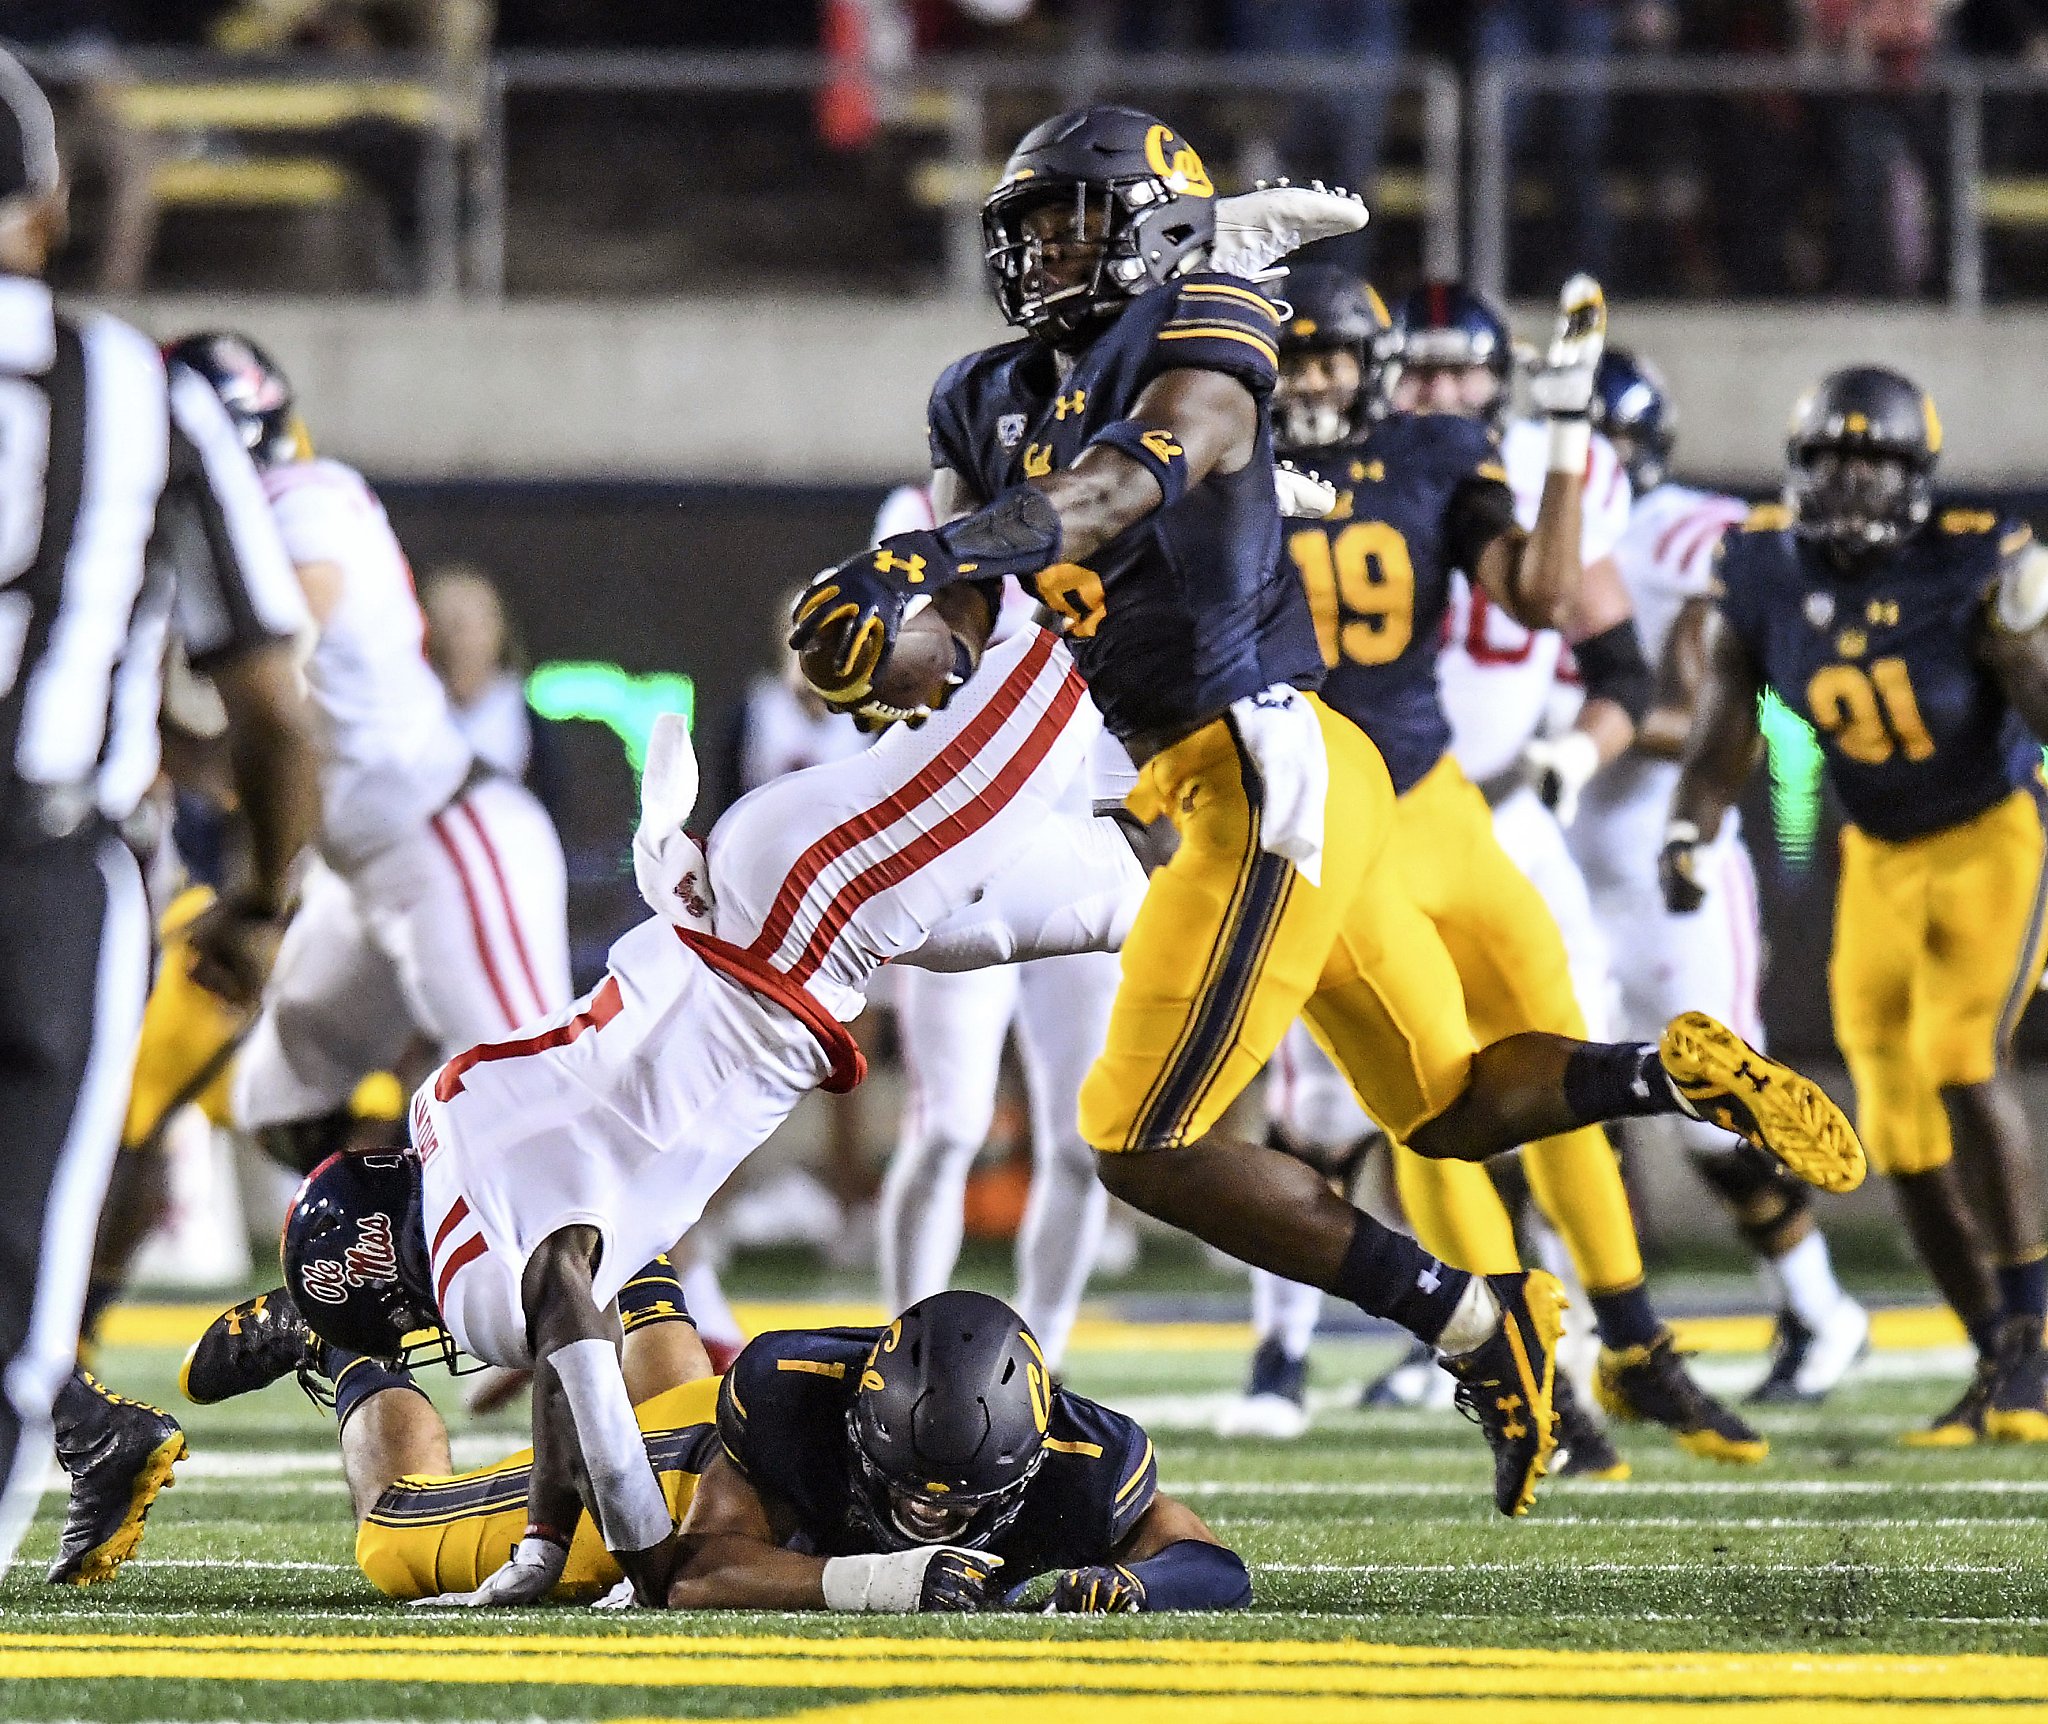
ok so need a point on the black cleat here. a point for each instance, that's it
(1962, 1424)
(2018, 1412)
(1275, 1400)
(119, 1454)
(1720, 1078)
(1791, 1341)
(248, 1347)
(1652, 1384)
(1506, 1384)
(1584, 1449)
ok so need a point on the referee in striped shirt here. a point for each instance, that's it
(128, 510)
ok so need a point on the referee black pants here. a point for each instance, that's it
(74, 969)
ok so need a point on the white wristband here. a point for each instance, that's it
(892, 1581)
(1571, 440)
(1681, 832)
(631, 1511)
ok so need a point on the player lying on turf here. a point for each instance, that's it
(931, 1465)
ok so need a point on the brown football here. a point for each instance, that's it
(914, 670)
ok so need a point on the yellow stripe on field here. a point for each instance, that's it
(1909, 1329)
(1203, 1709)
(1331, 1670)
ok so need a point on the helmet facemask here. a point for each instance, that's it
(1857, 500)
(1320, 401)
(902, 1516)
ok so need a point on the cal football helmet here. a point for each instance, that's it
(257, 395)
(1447, 325)
(1330, 311)
(355, 1259)
(1860, 460)
(1633, 407)
(1139, 207)
(948, 1424)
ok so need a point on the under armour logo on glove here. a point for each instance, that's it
(1429, 1280)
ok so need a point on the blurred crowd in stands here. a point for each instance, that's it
(1766, 193)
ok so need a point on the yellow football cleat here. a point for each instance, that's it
(1721, 1079)
(2018, 1410)
(1506, 1382)
(1962, 1424)
(119, 1453)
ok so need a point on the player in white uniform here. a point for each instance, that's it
(436, 906)
(952, 1029)
(617, 1119)
(1711, 960)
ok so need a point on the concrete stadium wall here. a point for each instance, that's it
(816, 391)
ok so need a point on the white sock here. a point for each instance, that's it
(705, 1300)
(1057, 1243)
(922, 1217)
(1473, 1323)
(1808, 1276)
(1285, 1311)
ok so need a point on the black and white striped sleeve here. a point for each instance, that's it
(237, 590)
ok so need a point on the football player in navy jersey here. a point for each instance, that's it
(1914, 639)
(934, 1464)
(1422, 496)
(1118, 458)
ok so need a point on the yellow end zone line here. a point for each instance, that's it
(1307, 1709)
(1907, 1330)
(1336, 1669)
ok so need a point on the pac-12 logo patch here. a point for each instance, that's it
(373, 1257)
(1010, 430)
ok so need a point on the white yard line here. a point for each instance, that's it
(1542, 1566)
(1628, 1487)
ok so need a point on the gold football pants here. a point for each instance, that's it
(1232, 944)
(430, 1535)
(1515, 976)
(1938, 948)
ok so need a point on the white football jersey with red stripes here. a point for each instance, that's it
(1667, 555)
(628, 1111)
(392, 752)
(1496, 675)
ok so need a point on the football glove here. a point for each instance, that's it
(1256, 229)
(536, 1565)
(860, 607)
(1303, 497)
(925, 1577)
(1106, 1590)
(959, 1580)
(1678, 869)
(1559, 768)
(1562, 385)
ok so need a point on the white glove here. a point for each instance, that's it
(1279, 730)
(1562, 385)
(1256, 229)
(669, 865)
(536, 1566)
(621, 1597)
(1559, 768)
(1303, 496)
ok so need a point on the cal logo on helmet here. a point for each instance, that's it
(1177, 164)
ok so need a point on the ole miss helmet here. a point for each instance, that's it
(355, 1258)
(1450, 324)
(256, 393)
(1632, 408)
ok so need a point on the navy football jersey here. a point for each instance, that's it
(1410, 505)
(1917, 734)
(782, 1418)
(1191, 608)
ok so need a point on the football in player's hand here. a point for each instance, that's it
(912, 673)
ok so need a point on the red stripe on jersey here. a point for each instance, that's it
(849, 1064)
(937, 773)
(604, 1006)
(462, 1257)
(954, 829)
(455, 1220)
(476, 920)
(1702, 539)
(476, 825)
